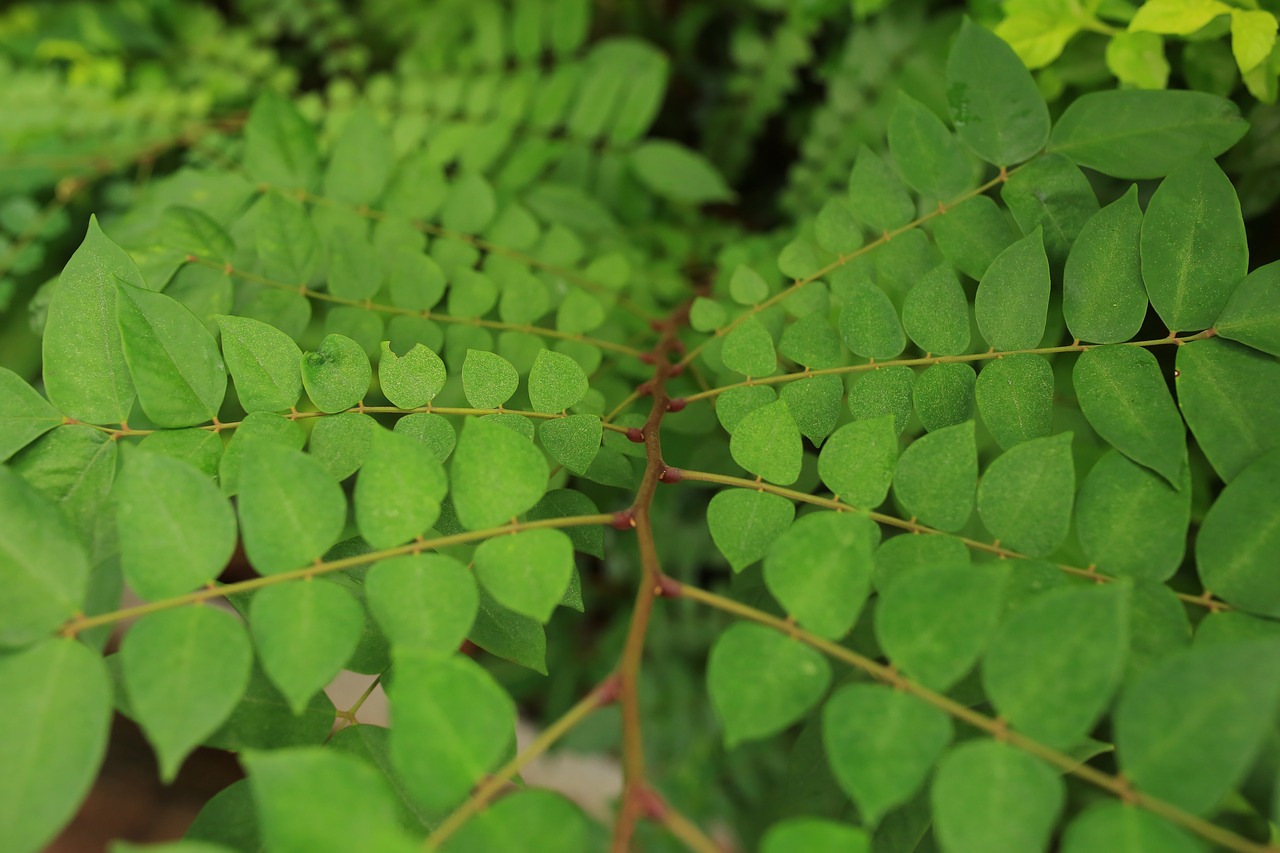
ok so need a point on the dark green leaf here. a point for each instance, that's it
(936, 313)
(814, 403)
(877, 197)
(1218, 386)
(991, 797)
(884, 391)
(869, 323)
(1103, 297)
(929, 156)
(943, 395)
(858, 460)
(509, 635)
(265, 720)
(573, 441)
(1050, 193)
(936, 477)
(1025, 495)
(289, 250)
(24, 414)
(1252, 316)
(1130, 521)
(1238, 548)
(971, 235)
(1015, 398)
(1013, 298)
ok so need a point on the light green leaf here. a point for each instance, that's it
(1252, 315)
(814, 404)
(399, 490)
(289, 251)
(280, 146)
(1124, 398)
(432, 430)
(744, 523)
(936, 477)
(991, 797)
(452, 724)
(411, 380)
(936, 313)
(496, 475)
(746, 286)
(869, 323)
(815, 835)
(323, 800)
(1015, 397)
(44, 569)
(1052, 666)
(85, 374)
(811, 342)
(1194, 250)
(767, 443)
(762, 681)
(820, 568)
(360, 162)
(1217, 383)
(1130, 521)
(748, 349)
(736, 403)
(1135, 134)
(677, 173)
(470, 205)
(257, 426)
(877, 197)
(523, 821)
(201, 448)
(971, 235)
(1253, 35)
(184, 671)
(836, 229)
(177, 531)
(573, 441)
(1188, 728)
(263, 362)
(881, 745)
(195, 232)
(354, 271)
(305, 632)
(423, 601)
(1050, 193)
(858, 460)
(1038, 31)
(707, 315)
(931, 159)
(60, 692)
(1138, 59)
(24, 414)
(943, 395)
(1176, 17)
(908, 552)
(1103, 297)
(933, 620)
(291, 508)
(527, 572)
(342, 442)
(488, 380)
(1012, 302)
(995, 106)
(415, 280)
(1025, 495)
(556, 382)
(337, 374)
(1238, 547)
(1112, 827)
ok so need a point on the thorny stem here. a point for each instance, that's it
(993, 727)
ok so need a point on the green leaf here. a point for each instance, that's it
(496, 475)
(177, 531)
(573, 441)
(1130, 521)
(515, 821)
(707, 315)
(814, 403)
(1015, 397)
(305, 632)
(936, 477)
(936, 313)
(877, 197)
(311, 798)
(201, 448)
(1238, 547)
(858, 460)
(342, 442)
(820, 568)
(85, 374)
(1012, 302)
(354, 271)
(746, 286)
(193, 231)
(264, 719)
(815, 835)
(1188, 728)
(762, 681)
(528, 571)
(453, 723)
(1124, 398)
(291, 508)
(835, 229)
(488, 380)
(415, 280)
(1134, 134)
(1217, 383)
(1194, 250)
(1025, 495)
(399, 490)
(1112, 827)
(811, 342)
(44, 569)
(1050, 193)
(24, 414)
(971, 235)
(556, 382)
(869, 323)
(1052, 666)
(1252, 315)
(423, 601)
(280, 146)
(934, 620)
(930, 157)
(337, 374)
(1138, 60)
(60, 691)
(289, 251)
(744, 523)
(1103, 297)
(995, 105)
(1176, 17)
(1253, 35)
(360, 162)
(990, 796)
(184, 670)
(881, 745)
(677, 173)
(432, 430)
(736, 403)
(263, 362)
(903, 553)
(256, 427)
(748, 349)
(767, 443)
(566, 503)
(411, 380)
(943, 395)
(509, 635)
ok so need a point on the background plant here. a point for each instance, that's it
(925, 499)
